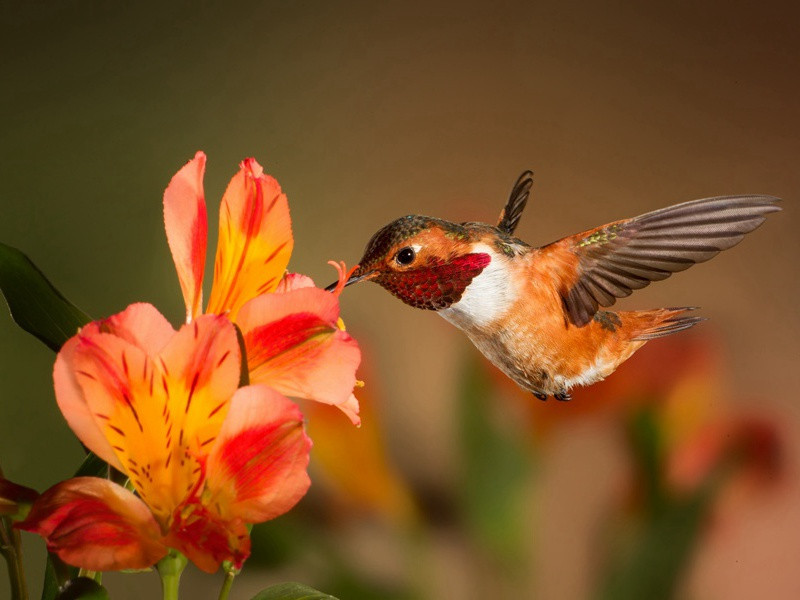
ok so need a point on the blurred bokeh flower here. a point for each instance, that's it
(290, 327)
(203, 457)
(358, 469)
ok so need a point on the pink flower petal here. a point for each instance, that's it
(351, 409)
(187, 230)
(295, 345)
(257, 470)
(97, 525)
(72, 402)
(255, 240)
(140, 324)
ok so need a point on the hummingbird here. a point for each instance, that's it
(535, 312)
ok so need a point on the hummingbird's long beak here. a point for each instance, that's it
(354, 278)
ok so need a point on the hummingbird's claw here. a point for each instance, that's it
(540, 396)
(564, 396)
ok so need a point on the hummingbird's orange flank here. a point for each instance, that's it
(534, 312)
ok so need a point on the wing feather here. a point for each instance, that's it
(512, 211)
(627, 255)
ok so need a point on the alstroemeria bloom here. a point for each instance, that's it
(204, 458)
(290, 327)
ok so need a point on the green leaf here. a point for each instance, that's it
(92, 466)
(291, 591)
(57, 573)
(37, 306)
(83, 588)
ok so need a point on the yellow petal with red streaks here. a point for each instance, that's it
(255, 240)
(200, 371)
(257, 470)
(186, 224)
(294, 345)
(159, 414)
(95, 524)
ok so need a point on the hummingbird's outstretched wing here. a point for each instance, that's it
(512, 211)
(613, 260)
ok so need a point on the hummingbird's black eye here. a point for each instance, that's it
(405, 256)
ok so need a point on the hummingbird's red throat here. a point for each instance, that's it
(436, 285)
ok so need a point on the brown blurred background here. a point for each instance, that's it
(369, 111)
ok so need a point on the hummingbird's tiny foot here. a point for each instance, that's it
(540, 396)
(564, 396)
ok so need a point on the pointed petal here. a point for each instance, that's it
(352, 409)
(97, 525)
(257, 470)
(295, 345)
(187, 230)
(140, 324)
(207, 540)
(255, 240)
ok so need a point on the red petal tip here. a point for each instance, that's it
(251, 166)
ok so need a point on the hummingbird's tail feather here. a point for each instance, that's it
(512, 211)
(664, 321)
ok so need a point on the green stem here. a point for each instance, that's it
(227, 584)
(170, 568)
(12, 551)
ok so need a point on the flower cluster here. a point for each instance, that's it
(204, 455)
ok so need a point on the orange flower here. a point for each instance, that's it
(290, 327)
(203, 457)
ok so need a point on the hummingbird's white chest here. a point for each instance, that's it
(487, 298)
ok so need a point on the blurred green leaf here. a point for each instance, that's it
(278, 541)
(651, 565)
(83, 588)
(92, 466)
(497, 470)
(37, 306)
(647, 453)
(291, 591)
(346, 582)
(51, 579)
(657, 547)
